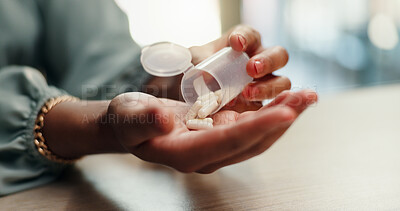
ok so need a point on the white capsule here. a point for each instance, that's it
(220, 95)
(208, 108)
(200, 86)
(199, 124)
(192, 113)
(207, 97)
(208, 120)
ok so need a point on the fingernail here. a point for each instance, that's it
(242, 41)
(259, 66)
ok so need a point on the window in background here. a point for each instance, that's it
(334, 44)
(185, 22)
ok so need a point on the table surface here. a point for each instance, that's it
(342, 153)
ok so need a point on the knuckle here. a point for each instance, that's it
(267, 90)
(114, 105)
(269, 63)
(116, 100)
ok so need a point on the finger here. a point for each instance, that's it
(213, 146)
(267, 61)
(140, 122)
(240, 38)
(245, 114)
(266, 89)
(245, 38)
(264, 144)
(278, 99)
(299, 101)
(200, 53)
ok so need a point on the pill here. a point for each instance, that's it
(207, 108)
(208, 120)
(192, 113)
(200, 86)
(199, 124)
(220, 95)
(207, 97)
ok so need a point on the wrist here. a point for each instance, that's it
(76, 129)
(106, 134)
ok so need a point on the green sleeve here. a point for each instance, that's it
(82, 46)
(23, 91)
(89, 49)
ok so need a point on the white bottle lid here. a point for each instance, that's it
(166, 59)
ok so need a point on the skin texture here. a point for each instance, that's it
(153, 130)
(234, 138)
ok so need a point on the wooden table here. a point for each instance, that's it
(343, 153)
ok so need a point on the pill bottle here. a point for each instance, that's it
(225, 70)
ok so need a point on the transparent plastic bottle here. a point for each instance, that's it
(225, 70)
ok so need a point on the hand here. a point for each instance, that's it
(152, 129)
(263, 62)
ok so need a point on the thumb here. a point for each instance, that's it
(135, 123)
(150, 122)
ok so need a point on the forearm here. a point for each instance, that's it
(75, 129)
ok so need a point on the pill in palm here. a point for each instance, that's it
(192, 113)
(207, 108)
(203, 107)
(207, 97)
(199, 124)
(219, 95)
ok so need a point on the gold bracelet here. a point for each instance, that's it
(39, 124)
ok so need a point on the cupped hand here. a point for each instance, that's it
(263, 62)
(153, 130)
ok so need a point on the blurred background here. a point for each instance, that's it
(334, 45)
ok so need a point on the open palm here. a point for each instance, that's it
(163, 137)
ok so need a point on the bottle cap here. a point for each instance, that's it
(166, 59)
